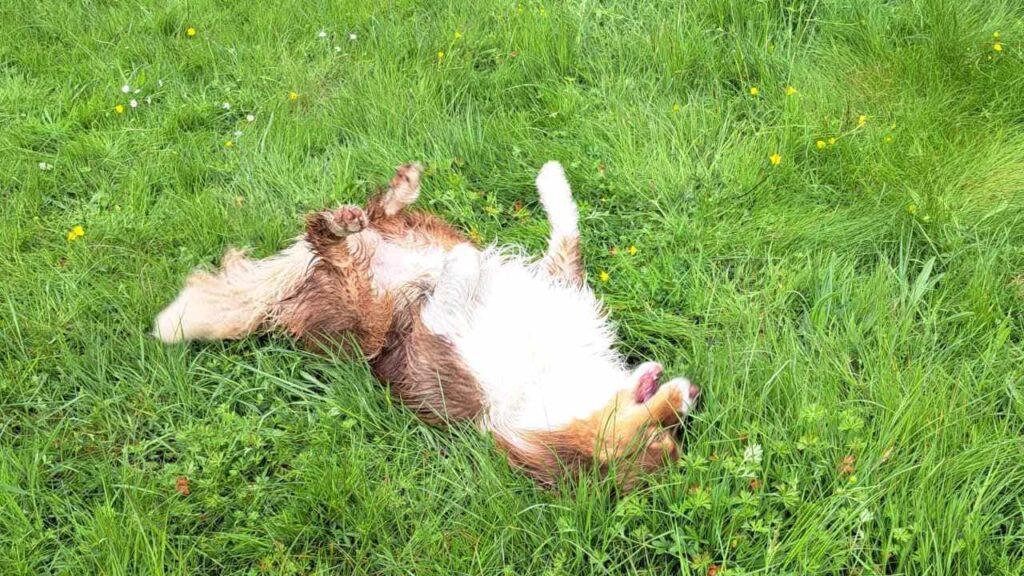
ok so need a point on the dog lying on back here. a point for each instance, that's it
(521, 348)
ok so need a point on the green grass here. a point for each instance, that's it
(864, 299)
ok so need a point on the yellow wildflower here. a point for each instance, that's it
(820, 144)
(604, 276)
(832, 141)
(995, 35)
(119, 109)
(676, 108)
(862, 120)
(790, 90)
(776, 159)
(190, 32)
(228, 143)
(458, 35)
(632, 250)
(76, 233)
(440, 55)
(754, 90)
(998, 47)
(293, 96)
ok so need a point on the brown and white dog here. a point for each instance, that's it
(521, 348)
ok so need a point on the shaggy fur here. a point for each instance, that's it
(522, 348)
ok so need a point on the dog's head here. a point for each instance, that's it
(630, 434)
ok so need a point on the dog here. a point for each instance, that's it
(521, 348)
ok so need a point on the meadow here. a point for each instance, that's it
(812, 208)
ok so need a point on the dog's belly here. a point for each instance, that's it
(396, 265)
(542, 351)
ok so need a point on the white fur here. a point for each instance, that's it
(541, 350)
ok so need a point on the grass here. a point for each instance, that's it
(853, 314)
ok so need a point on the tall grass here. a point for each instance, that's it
(853, 313)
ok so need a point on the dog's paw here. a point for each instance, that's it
(345, 220)
(407, 176)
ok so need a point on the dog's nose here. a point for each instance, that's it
(694, 391)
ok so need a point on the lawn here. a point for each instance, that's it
(813, 209)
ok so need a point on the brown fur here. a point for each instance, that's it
(337, 298)
(426, 373)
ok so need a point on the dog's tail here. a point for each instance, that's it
(235, 300)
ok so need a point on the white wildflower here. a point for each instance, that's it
(753, 454)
